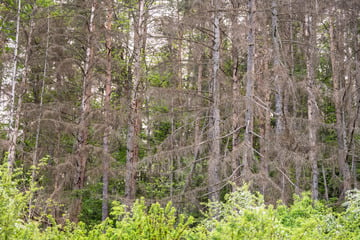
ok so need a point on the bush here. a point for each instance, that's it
(13, 205)
(242, 215)
(143, 223)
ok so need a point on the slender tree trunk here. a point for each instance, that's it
(107, 111)
(357, 97)
(38, 122)
(13, 131)
(250, 78)
(326, 196)
(235, 154)
(214, 161)
(311, 101)
(38, 125)
(82, 151)
(265, 130)
(277, 71)
(179, 65)
(22, 91)
(339, 108)
(134, 123)
(197, 135)
(298, 164)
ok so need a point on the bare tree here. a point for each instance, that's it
(310, 33)
(277, 70)
(82, 151)
(134, 122)
(107, 110)
(35, 157)
(215, 156)
(336, 56)
(250, 79)
(13, 129)
(235, 51)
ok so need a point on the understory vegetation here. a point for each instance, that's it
(242, 215)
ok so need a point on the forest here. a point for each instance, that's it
(179, 119)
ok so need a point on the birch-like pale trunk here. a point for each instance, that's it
(277, 70)
(214, 160)
(134, 122)
(107, 111)
(310, 33)
(13, 132)
(21, 91)
(250, 78)
(82, 151)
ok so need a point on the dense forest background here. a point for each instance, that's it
(178, 100)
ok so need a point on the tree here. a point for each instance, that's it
(310, 33)
(107, 110)
(82, 153)
(215, 155)
(13, 128)
(250, 78)
(337, 58)
(134, 122)
(278, 71)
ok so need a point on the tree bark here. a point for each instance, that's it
(235, 154)
(134, 122)
(310, 33)
(250, 78)
(107, 111)
(13, 130)
(197, 132)
(214, 161)
(38, 122)
(277, 71)
(82, 151)
(339, 109)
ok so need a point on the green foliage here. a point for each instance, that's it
(351, 217)
(143, 223)
(91, 204)
(243, 215)
(13, 205)
(158, 79)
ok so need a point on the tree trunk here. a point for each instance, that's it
(357, 98)
(214, 161)
(235, 154)
(82, 151)
(38, 122)
(17, 110)
(13, 131)
(277, 71)
(310, 32)
(250, 78)
(197, 133)
(134, 123)
(265, 130)
(339, 108)
(107, 111)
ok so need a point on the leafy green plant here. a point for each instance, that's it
(13, 205)
(141, 222)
